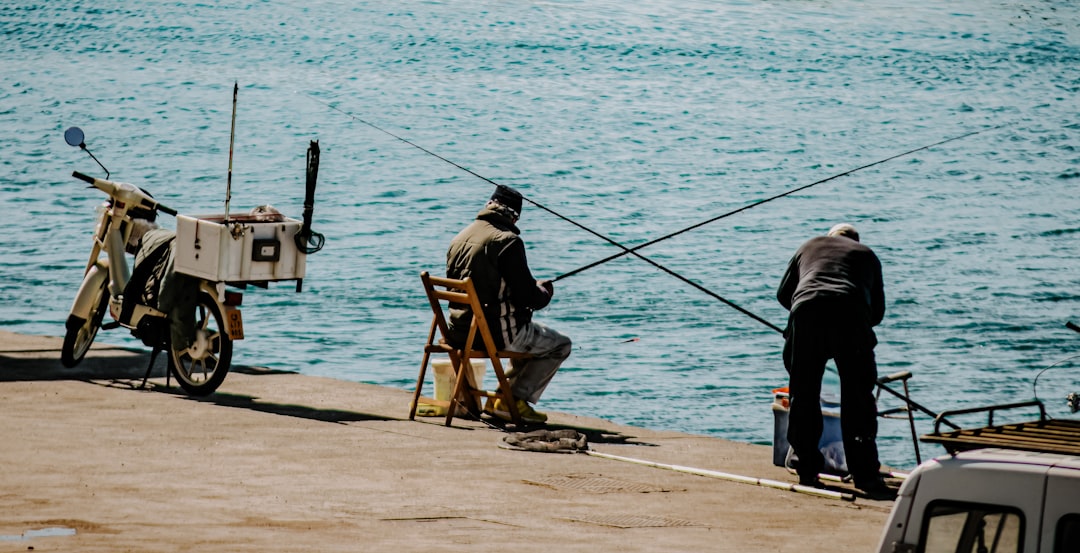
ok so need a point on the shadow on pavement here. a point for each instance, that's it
(99, 363)
(124, 368)
(284, 409)
(593, 435)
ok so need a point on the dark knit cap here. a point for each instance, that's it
(507, 196)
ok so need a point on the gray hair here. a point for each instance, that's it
(846, 230)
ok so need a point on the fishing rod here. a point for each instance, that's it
(633, 250)
(881, 383)
(757, 203)
(625, 249)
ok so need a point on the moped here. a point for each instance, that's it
(107, 286)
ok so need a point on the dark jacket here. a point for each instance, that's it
(490, 251)
(838, 268)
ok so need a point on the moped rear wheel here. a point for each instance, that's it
(202, 367)
(81, 332)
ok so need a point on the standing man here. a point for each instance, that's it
(490, 251)
(834, 291)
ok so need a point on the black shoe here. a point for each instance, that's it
(876, 489)
(811, 482)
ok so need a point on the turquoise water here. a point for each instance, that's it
(632, 120)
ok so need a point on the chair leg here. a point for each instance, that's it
(505, 392)
(456, 362)
(419, 386)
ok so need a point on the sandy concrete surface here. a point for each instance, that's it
(284, 462)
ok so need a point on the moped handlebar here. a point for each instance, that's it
(113, 189)
(83, 177)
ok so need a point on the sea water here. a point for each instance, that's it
(632, 120)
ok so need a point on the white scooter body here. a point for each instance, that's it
(200, 367)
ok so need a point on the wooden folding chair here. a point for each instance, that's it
(466, 393)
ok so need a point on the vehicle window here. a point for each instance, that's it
(1067, 536)
(955, 527)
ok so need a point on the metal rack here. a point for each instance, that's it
(1044, 435)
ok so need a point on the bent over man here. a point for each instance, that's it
(491, 252)
(833, 289)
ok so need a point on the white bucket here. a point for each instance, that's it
(445, 380)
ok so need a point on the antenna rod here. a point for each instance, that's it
(232, 138)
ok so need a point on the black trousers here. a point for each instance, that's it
(819, 330)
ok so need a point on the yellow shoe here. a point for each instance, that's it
(528, 414)
(498, 410)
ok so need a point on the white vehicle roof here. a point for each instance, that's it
(1013, 457)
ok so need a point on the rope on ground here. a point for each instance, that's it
(546, 441)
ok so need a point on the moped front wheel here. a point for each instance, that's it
(201, 367)
(81, 332)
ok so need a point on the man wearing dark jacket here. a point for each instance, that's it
(833, 289)
(491, 251)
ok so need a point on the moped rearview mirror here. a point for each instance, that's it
(74, 137)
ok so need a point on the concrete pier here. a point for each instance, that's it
(278, 461)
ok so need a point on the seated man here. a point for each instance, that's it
(490, 251)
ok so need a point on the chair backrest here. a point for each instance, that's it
(462, 292)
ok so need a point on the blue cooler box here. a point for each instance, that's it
(832, 439)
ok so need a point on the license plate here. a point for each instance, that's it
(234, 323)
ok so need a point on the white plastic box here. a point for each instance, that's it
(250, 248)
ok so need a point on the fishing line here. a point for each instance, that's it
(651, 262)
(625, 249)
(1072, 403)
(755, 204)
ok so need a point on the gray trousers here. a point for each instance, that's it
(530, 377)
